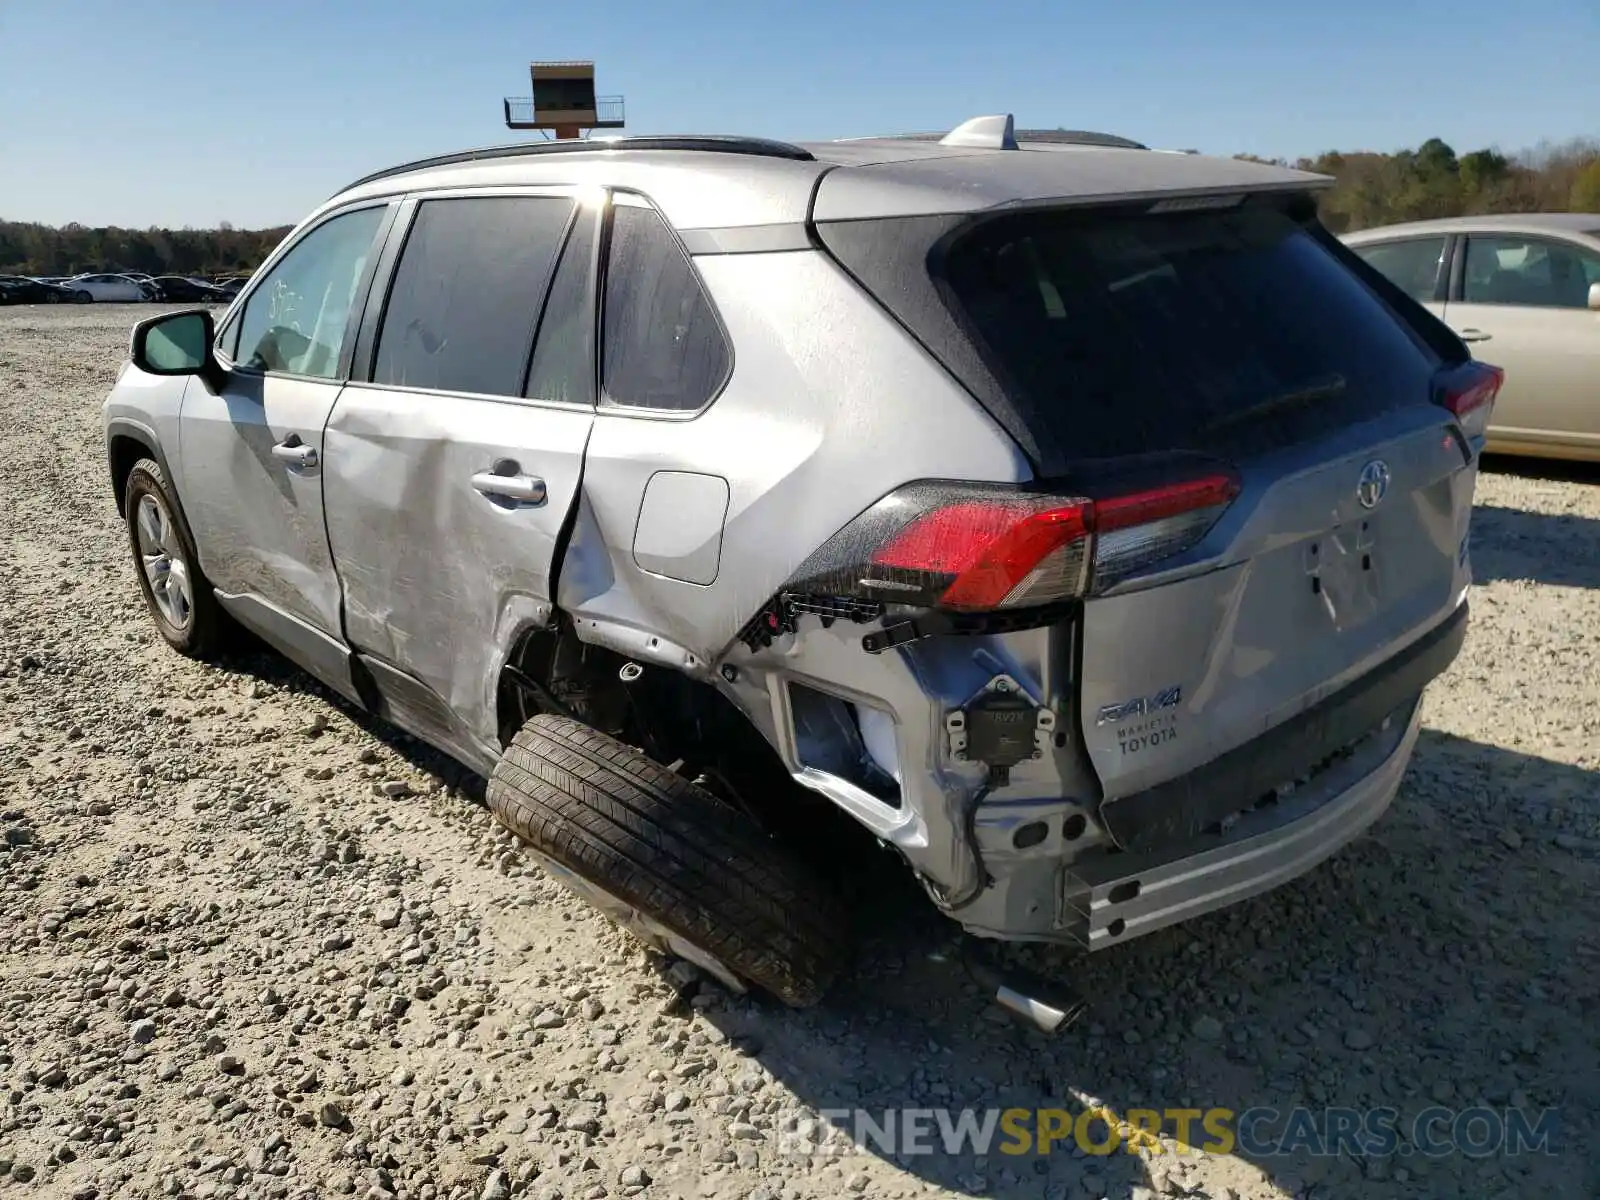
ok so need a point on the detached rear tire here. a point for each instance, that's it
(668, 861)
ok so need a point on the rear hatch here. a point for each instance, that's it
(1226, 340)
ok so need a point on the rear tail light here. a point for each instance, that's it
(1469, 392)
(963, 548)
(1136, 530)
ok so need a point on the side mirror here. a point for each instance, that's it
(177, 344)
(1594, 297)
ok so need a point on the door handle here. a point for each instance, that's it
(295, 452)
(525, 489)
(1475, 335)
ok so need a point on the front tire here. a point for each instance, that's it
(178, 596)
(667, 861)
(82, 297)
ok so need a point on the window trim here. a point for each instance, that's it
(365, 356)
(1458, 284)
(630, 198)
(1441, 266)
(1458, 267)
(597, 215)
(226, 345)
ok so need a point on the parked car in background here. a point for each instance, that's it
(231, 284)
(20, 289)
(179, 289)
(1524, 291)
(581, 479)
(111, 287)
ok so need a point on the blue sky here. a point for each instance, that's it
(140, 112)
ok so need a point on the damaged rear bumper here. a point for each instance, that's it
(1110, 896)
(1115, 897)
(1249, 821)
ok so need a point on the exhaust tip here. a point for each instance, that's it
(1048, 1016)
(1048, 1006)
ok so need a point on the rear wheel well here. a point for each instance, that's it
(125, 450)
(682, 723)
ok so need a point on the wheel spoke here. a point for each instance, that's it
(149, 525)
(178, 591)
(155, 569)
(166, 530)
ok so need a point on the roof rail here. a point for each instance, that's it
(1061, 137)
(711, 143)
(1079, 137)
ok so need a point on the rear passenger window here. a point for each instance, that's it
(467, 293)
(1412, 265)
(664, 347)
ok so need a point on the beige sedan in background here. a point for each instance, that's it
(1524, 291)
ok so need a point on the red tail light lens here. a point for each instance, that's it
(1002, 553)
(1469, 392)
(978, 554)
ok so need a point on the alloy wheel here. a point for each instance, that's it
(162, 557)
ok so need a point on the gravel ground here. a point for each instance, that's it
(234, 962)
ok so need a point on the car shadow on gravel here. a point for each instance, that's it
(1448, 960)
(1554, 469)
(267, 666)
(1513, 543)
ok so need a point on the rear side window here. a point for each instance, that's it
(1411, 265)
(467, 293)
(1228, 332)
(664, 347)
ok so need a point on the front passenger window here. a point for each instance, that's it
(296, 318)
(1529, 272)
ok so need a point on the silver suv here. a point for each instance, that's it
(1082, 520)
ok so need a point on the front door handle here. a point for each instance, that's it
(524, 489)
(295, 452)
(1475, 335)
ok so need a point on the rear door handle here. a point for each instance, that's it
(295, 452)
(1475, 335)
(525, 489)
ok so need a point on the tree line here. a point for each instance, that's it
(1372, 189)
(1433, 181)
(31, 249)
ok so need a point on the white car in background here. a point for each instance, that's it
(110, 287)
(1524, 290)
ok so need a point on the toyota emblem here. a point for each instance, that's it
(1374, 482)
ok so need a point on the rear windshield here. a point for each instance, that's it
(1180, 331)
(1093, 334)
